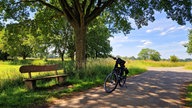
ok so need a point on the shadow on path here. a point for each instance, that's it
(156, 88)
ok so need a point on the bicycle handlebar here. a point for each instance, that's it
(113, 57)
(118, 61)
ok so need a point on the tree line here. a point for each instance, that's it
(151, 54)
(52, 37)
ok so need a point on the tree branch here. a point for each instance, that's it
(42, 2)
(83, 5)
(68, 12)
(99, 3)
(89, 8)
(77, 5)
(97, 11)
(50, 6)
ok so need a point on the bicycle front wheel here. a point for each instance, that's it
(122, 81)
(111, 82)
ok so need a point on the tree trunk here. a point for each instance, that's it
(62, 58)
(71, 54)
(62, 55)
(24, 56)
(80, 45)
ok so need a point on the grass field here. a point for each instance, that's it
(189, 96)
(14, 94)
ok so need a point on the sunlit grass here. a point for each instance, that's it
(161, 63)
(188, 65)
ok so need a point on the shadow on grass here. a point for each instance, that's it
(20, 97)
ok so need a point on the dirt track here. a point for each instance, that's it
(157, 88)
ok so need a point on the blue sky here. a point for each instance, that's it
(163, 35)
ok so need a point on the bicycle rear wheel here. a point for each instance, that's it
(111, 82)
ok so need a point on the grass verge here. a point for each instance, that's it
(189, 96)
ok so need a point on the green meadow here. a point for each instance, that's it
(14, 94)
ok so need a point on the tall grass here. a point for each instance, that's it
(9, 76)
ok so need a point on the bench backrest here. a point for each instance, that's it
(38, 68)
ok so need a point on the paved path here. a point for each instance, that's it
(157, 88)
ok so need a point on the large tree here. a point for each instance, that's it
(81, 12)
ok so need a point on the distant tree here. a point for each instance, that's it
(189, 44)
(16, 41)
(60, 36)
(174, 58)
(144, 54)
(155, 56)
(188, 59)
(149, 54)
(132, 58)
(98, 44)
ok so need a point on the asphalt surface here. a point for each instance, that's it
(157, 88)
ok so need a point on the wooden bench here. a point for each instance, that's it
(31, 82)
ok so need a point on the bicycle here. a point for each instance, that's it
(117, 76)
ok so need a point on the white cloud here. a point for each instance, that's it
(120, 39)
(163, 33)
(173, 29)
(154, 29)
(165, 26)
(144, 43)
(183, 42)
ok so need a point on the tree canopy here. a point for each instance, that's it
(80, 13)
(16, 41)
(174, 58)
(149, 54)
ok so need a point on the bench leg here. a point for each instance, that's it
(60, 79)
(30, 84)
